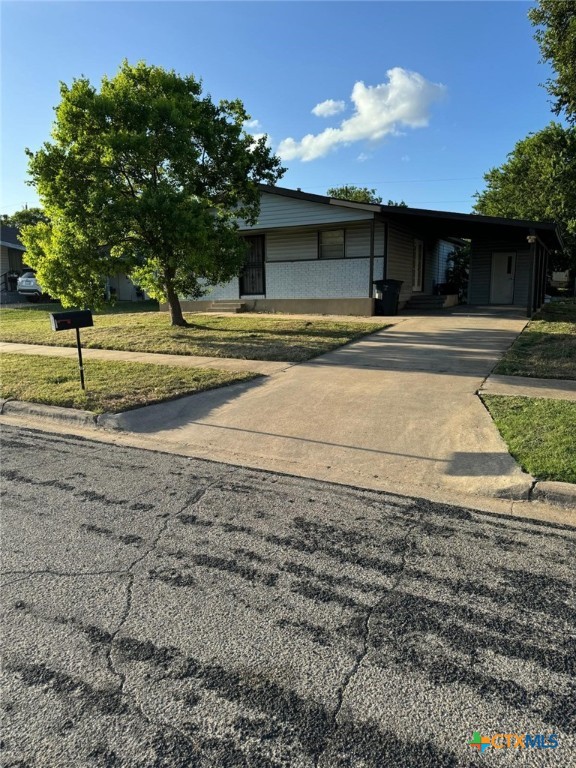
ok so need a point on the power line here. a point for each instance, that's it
(400, 181)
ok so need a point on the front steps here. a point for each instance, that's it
(226, 306)
(426, 303)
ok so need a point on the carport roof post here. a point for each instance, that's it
(537, 273)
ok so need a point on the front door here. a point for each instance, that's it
(418, 266)
(252, 276)
(502, 283)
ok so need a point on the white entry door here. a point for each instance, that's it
(418, 266)
(502, 283)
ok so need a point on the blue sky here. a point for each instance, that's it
(442, 90)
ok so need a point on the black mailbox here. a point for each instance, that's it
(67, 321)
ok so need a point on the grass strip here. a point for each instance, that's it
(546, 349)
(540, 434)
(249, 337)
(110, 386)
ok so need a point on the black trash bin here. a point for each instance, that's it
(389, 295)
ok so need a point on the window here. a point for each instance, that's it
(331, 244)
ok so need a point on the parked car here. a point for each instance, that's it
(29, 287)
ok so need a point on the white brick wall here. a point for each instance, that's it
(318, 279)
(225, 291)
(332, 278)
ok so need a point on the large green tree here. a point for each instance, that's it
(355, 194)
(556, 35)
(149, 176)
(23, 217)
(360, 195)
(538, 182)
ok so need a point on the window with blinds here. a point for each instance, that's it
(331, 244)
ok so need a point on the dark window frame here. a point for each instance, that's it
(326, 231)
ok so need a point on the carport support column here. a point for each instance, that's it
(531, 273)
(371, 275)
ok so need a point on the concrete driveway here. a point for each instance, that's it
(397, 411)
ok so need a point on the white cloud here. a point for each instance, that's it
(253, 125)
(379, 110)
(362, 157)
(328, 108)
(257, 136)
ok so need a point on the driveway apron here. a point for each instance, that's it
(397, 410)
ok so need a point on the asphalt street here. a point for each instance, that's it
(161, 611)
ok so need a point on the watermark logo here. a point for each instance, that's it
(513, 741)
(481, 743)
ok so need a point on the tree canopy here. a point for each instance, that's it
(355, 194)
(148, 176)
(556, 35)
(24, 217)
(537, 182)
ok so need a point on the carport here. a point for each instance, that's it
(509, 258)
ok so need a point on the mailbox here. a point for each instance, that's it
(67, 321)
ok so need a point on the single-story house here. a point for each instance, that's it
(316, 254)
(12, 262)
(11, 253)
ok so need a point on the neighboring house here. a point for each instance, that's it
(12, 263)
(11, 251)
(310, 253)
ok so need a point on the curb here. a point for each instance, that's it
(59, 413)
(562, 494)
(555, 493)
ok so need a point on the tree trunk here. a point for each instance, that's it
(176, 316)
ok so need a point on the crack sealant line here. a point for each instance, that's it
(47, 572)
(366, 630)
(190, 502)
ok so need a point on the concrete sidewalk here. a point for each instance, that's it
(265, 367)
(523, 386)
(397, 410)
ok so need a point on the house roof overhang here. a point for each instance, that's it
(9, 238)
(442, 224)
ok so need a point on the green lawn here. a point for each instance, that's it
(547, 347)
(110, 386)
(251, 337)
(541, 434)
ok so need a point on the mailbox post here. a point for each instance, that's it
(67, 321)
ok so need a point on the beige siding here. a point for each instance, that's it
(358, 242)
(4, 260)
(379, 231)
(481, 270)
(522, 277)
(291, 246)
(400, 259)
(279, 211)
(10, 259)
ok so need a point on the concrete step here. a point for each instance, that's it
(425, 302)
(420, 298)
(227, 306)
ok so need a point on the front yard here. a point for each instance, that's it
(547, 347)
(251, 337)
(110, 386)
(541, 434)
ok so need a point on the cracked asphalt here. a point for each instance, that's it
(160, 611)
